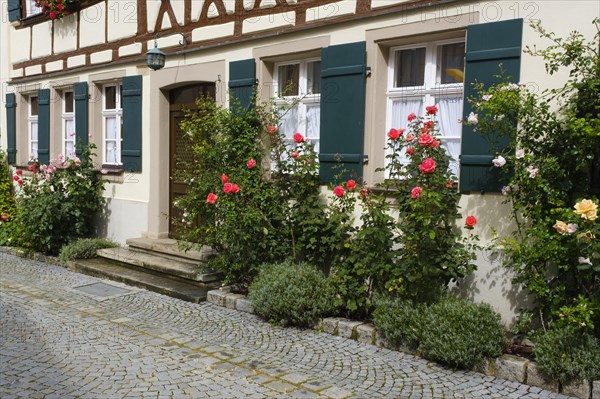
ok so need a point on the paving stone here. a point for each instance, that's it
(64, 344)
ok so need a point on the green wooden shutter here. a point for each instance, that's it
(44, 126)
(131, 145)
(80, 93)
(11, 128)
(488, 46)
(14, 10)
(242, 85)
(343, 74)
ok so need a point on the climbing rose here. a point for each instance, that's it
(587, 209)
(351, 184)
(431, 110)
(411, 116)
(410, 151)
(499, 161)
(470, 222)
(425, 140)
(428, 124)
(19, 172)
(224, 178)
(227, 187)
(272, 129)
(338, 191)
(4, 217)
(211, 198)
(393, 134)
(235, 189)
(295, 154)
(435, 144)
(20, 182)
(427, 166)
(410, 137)
(561, 227)
(15, 177)
(473, 119)
(520, 154)
(450, 184)
(298, 138)
(416, 192)
(251, 163)
(364, 192)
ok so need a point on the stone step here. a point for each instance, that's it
(169, 247)
(113, 270)
(168, 266)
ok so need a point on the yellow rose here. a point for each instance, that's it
(587, 209)
(561, 227)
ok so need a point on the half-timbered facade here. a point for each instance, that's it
(360, 67)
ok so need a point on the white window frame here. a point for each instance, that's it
(429, 92)
(305, 98)
(116, 113)
(32, 120)
(66, 118)
(31, 9)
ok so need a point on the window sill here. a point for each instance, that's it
(112, 170)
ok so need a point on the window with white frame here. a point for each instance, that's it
(428, 74)
(112, 120)
(299, 83)
(68, 124)
(33, 127)
(31, 8)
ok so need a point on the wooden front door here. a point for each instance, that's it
(180, 148)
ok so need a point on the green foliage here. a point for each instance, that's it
(56, 204)
(291, 294)
(84, 248)
(454, 332)
(565, 354)
(7, 199)
(433, 251)
(461, 334)
(399, 320)
(553, 174)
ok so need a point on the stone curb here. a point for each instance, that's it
(506, 367)
(39, 257)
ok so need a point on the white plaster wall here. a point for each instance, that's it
(18, 44)
(91, 25)
(41, 41)
(122, 19)
(124, 219)
(152, 7)
(65, 34)
(6, 48)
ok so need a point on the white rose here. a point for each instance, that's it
(499, 161)
(472, 118)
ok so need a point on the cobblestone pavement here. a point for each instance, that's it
(59, 342)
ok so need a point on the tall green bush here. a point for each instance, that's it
(7, 199)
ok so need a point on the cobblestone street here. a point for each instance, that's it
(58, 340)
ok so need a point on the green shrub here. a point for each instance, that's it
(291, 294)
(460, 334)
(565, 354)
(399, 321)
(7, 199)
(84, 248)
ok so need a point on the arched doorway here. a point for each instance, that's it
(180, 151)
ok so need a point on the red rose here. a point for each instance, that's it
(411, 117)
(294, 154)
(393, 134)
(19, 182)
(428, 124)
(211, 198)
(15, 177)
(470, 222)
(350, 184)
(4, 217)
(338, 191)
(364, 192)
(450, 183)
(410, 151)
(416, 192)
(427, 166)
(235, 189)
(251, 163)
(19, 172)
(431, 110)
(52, 15)
(224, 178)
(435, 144)
(298, 138)
(410, 137)
(227, 187)
(272, 129)
(425, 140)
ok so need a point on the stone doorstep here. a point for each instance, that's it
(507, 367)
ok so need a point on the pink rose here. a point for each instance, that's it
(298, 138)
(227, 187)
(350, 184)
(364, 192)
(272, 129)
(4, 217)
(235, 189)
(450, 183)
(393, 134)
(19, 172)
(431, 110)
(428, 124)
(295, 154)
(427, 166)
(224, 178)
(410, 151)
(416, 192)
(211, 198)
(470, 222)
(425, 140)
(338, 191)
(251, 163)
(411, 116)
(410, 137)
